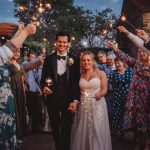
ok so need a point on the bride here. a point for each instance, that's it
(90, 130)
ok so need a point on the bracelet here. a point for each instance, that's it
(11, 46)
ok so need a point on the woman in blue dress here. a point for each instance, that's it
(7, 107)
(120, 80)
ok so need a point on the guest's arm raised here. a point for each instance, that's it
(134, 38)
(7, 50)
(18, 39)
(128, 59)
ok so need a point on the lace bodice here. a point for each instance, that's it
(90, 87)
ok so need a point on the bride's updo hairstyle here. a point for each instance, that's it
(89, 53)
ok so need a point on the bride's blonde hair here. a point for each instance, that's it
(89, 53)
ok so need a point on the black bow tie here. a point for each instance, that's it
(61, 57)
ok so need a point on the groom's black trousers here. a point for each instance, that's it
(60, 121)
(60, 117)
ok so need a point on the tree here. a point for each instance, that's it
(84, 25)
(103, 28)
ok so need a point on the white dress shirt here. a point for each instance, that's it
(61, 64)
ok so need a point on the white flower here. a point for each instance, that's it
(70, 61)
(3, 118)
(4, 92)
(9, 121)
(6, 73)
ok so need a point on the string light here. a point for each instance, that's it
(73, 38)
(44, 39)
(111, 24)
(21, 8)
(104, 32)
(48, 5)
(38, 23)
(40, 9)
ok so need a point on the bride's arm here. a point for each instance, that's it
(103, 85)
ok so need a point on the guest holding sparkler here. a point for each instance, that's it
(7, 107)
(19, 86)
(139, 40)
(137, 112)
(90, 130)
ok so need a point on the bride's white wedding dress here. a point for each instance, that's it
(90, 130)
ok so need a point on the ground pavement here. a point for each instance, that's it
(42, 141)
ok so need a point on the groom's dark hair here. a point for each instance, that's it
(63, 33)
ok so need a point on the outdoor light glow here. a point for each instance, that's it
(40, 9)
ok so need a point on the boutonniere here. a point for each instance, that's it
(70, 61)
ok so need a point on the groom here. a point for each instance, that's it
(63, 95)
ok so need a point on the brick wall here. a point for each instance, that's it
(146, 22)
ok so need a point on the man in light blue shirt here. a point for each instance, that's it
(32, 96)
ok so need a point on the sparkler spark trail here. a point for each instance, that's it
(123, 18)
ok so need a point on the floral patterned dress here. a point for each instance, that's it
(137, 109)
(7, 112)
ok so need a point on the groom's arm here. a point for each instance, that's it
(76, 78)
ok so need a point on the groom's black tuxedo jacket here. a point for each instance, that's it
(72, 78)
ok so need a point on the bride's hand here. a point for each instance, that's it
(98, 96)
(73, 107)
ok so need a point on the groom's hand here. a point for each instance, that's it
(46, 90)
(73, 107)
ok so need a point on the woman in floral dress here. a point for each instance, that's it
(7, 111)
(7, 108)
(137, 110)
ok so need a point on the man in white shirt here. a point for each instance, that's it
(63, 69)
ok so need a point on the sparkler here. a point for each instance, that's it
(37, 13)
(49, 82)
(123, 18)
(104, 32)
(85, 93)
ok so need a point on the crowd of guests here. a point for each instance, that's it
(88, 102)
